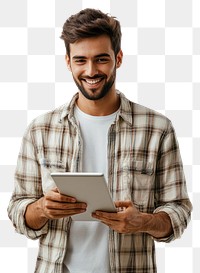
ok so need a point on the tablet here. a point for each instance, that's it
(90, 188)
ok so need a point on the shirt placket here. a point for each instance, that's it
(111, 185)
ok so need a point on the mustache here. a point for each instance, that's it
(97, 76)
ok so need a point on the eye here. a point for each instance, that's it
(79, 61)
(102, 60)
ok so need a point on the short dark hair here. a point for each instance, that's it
(90, 23)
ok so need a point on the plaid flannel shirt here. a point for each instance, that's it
(144, 165)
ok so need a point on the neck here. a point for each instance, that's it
(102, 107)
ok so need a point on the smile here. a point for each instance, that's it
(93, 81)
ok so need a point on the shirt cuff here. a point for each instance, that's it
(20, 223)
(172, 215)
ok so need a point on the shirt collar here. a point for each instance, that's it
(125, 111)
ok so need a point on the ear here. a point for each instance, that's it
(119, 58)
(67, 59)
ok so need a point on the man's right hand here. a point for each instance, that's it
(52, 205)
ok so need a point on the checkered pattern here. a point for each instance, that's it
(161, 45)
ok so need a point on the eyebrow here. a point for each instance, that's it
(96, 56)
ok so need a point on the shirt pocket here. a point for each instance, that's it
(139, 177)
(47, 167)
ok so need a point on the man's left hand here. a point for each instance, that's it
(127, 220)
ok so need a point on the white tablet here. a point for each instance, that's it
(90, 188)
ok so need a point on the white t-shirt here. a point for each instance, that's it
(87, 249)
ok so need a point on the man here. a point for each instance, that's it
(99, 131)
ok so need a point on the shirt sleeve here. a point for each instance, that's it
(28, 188)
(171, 192)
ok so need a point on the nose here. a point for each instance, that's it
(91, 69)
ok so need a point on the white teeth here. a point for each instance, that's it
(92, 81)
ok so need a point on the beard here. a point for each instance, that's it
(104, 90)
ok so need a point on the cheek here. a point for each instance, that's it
(109, 71)
(75, 72)
(112, 72)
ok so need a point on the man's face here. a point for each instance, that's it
(93, 65)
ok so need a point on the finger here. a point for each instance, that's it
(64, 196)
(73, 206)
(55, 189)
(56, 214)
(123, 204)
(51, 205)
(55, 195)
(106, 216)
(103, 220)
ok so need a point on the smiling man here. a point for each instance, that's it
(100, 130)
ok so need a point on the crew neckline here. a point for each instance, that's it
(83, 114)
